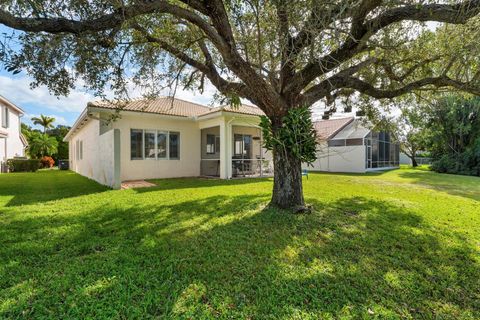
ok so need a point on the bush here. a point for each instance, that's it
(444, 165)
(23, 165)
(47, 162)
(466, 163)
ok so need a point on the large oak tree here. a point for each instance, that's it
(281, 55)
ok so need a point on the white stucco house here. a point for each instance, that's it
(350, 145)
(165, 138)
(168, 138)
(12, 142)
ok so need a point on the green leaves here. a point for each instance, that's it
(296, 134)
(40, 144)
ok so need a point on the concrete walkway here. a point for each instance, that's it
(136, 184)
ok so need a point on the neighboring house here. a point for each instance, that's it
(348, 145)
(165, 138)
(12, 142)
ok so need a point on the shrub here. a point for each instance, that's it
(47, 162)
(23, 165)
(444, 165)
(466, 163)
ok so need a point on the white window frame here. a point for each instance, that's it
(179, 142)
(5, 117)
(156, 132)
(167, 145)
(212, 149)
(154, 143)
(81, 149)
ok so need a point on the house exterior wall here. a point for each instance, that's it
(187, 166)
(96, 160)
(339, 159)
(3, 142)
(11, 145)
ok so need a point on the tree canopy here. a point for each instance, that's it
(278, 54)
(453, 126)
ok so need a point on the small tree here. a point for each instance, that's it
(40, 144)
(45, 121)
(410, 132)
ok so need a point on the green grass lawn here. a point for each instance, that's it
(402, 244)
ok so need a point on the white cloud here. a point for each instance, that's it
(18, 91)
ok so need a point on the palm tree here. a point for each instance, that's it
(40, 144)
(45, 121)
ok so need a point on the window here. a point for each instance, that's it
(81, 149)
(5, 117)
(78, 151)
(336, 143)
(210, 144)
(174, 145)
(238, 145)
(354, 142)
(136, 144)
(154, 144)
(162, 145)
(217, 144)
(242, 146)
(150, 152)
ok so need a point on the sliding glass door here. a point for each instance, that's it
(242, 154)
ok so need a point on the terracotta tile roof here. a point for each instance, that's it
(161, 105)
(326, 129)
(242, 109)
(173, 107)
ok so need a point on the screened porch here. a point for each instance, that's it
(244, 155)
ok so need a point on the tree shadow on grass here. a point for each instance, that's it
(351, 174)
(224, 256)
(463, 186)
(199, 182)
(42, 186)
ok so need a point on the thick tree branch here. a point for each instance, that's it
(458, 13)
(438, 82)
(206, 68)
(105, 22)
(344, 81)
(324, 88)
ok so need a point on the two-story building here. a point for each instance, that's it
(12, 143)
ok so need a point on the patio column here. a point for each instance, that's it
(117, 181)
(224, 150)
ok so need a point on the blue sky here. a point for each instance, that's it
(65, 110)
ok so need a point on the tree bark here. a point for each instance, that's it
(287, 181)
(414, 162)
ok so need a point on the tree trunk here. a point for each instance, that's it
(414, 162)
(287, 181)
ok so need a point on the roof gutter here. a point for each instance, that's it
(83, 116)
(11, 105)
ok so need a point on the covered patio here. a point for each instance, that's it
(231, 147)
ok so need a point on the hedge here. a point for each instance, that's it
(23, 165)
